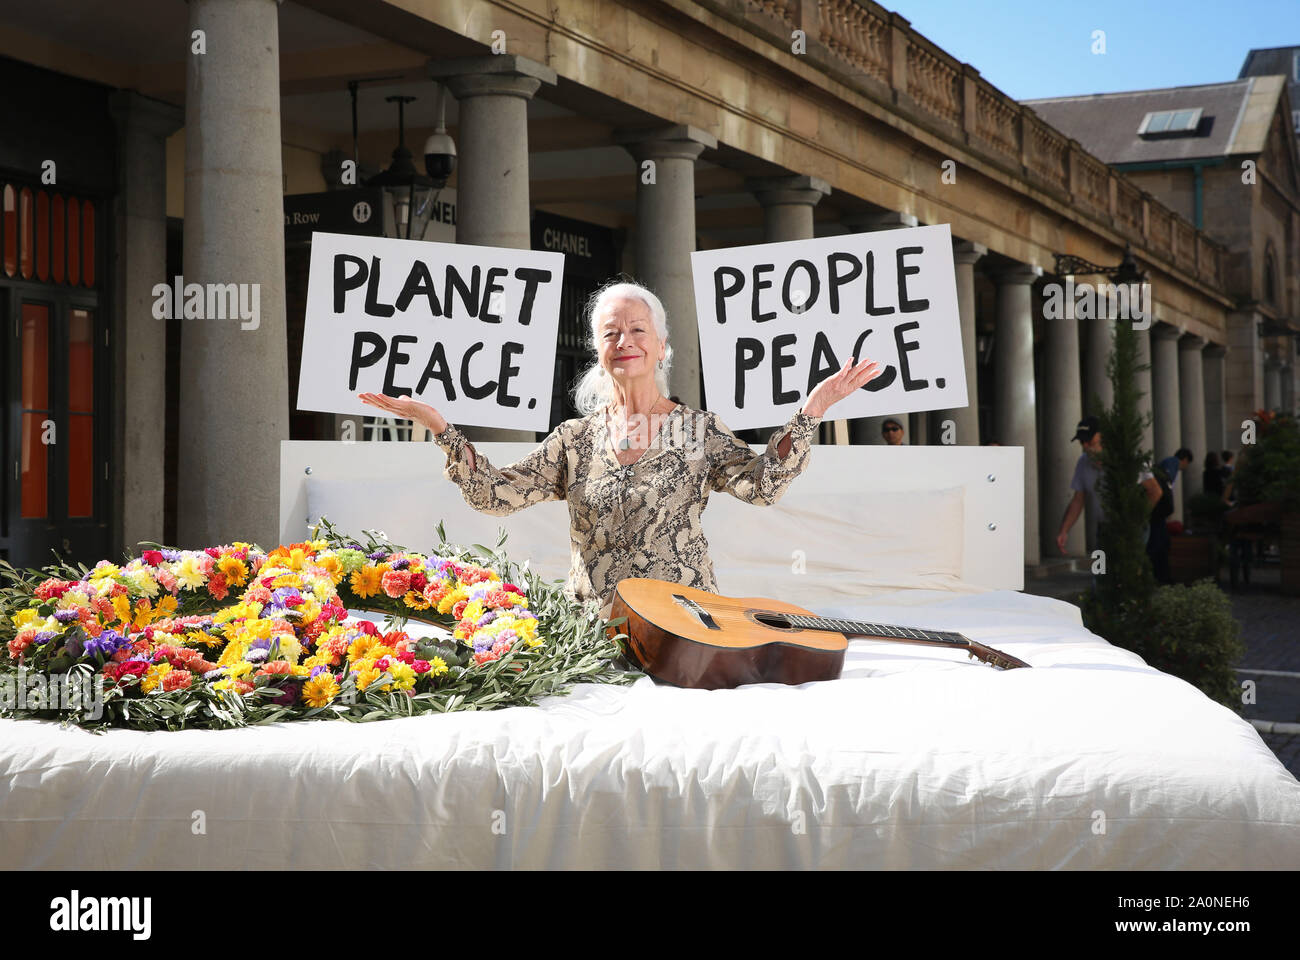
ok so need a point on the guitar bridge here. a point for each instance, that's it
(691, 606)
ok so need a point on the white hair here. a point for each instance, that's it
(595, 386)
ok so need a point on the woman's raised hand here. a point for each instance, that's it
(407, 409)
(836, 387)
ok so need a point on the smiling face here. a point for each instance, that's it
(626, 340)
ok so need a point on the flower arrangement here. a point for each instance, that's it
(232, 635)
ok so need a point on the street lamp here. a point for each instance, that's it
(408, 194)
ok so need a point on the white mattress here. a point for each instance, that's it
(915, 758)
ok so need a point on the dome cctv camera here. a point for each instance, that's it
(439, 157)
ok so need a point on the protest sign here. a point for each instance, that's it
(470, 330)
(775, 319)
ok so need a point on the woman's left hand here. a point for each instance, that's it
(835, 388)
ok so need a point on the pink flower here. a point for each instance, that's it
(420, 666)
(396, 582)
(177, 680)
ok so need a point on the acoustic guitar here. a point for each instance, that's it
(692, 638)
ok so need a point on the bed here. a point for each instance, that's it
(915, 758)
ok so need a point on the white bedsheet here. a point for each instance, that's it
(915, 758)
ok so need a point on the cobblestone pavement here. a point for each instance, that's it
(1270, 629)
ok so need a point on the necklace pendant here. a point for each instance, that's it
(625, 444)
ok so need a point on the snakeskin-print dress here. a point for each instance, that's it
(642, 519)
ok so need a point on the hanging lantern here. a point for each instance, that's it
(408, 194)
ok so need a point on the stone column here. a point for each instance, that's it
(1165, 395)
(1191, 381)
(966, 419)
(665, 237)
(788, 215)
(1272, 382)
(1215, 409)
(1287, 393)
(140, 346)
(1244, 373)
(867, 429)
(1062, 408)
(1099, 341)
(234, 373)
(1145, 410)
(493, 209)
(1013, 385)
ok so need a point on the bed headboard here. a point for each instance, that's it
(859, 514)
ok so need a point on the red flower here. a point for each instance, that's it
(418, 581)
(217, 587)
(396, 583)
(152, 557)
(213, 552)
(512, 588)
(135, 668)
(177, 680)
(421, 666)
(459, 608)
(368, 628)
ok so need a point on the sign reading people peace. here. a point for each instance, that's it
(470, 330)
(776, 319)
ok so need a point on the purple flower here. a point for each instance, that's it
(318, 670)
(172, 555)
(216, 674)
(44, 637)
(256, 655)
(377, 555)
(487, 618)
(65, 616)
(289, 697)
(401, 564)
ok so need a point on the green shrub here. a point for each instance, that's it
(1193, 636)
(1270, 469)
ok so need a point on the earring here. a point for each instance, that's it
(661, 364)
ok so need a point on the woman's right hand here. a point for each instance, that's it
(407, 409)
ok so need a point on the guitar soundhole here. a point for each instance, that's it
(777, 621)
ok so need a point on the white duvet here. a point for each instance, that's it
(916, 758)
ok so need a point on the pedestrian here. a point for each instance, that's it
(1181, 460)
(892, 431)
(1212, 475)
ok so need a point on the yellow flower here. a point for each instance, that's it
(122, 609)
(367, 676)
(319, 691)
(332, 566)
(166, 606)
(23, 617)
(154, 675)
(403, 676)
(237, 670)
(108, 570)
(234, 570)
(287, 580)
(437, 667)
(366, 581)
(416, 601)
(473, 610)
(360, 648)
(188, 574)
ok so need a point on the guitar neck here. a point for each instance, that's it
(884, 631)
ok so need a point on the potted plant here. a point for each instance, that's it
(1269, 473)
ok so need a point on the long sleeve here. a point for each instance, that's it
(762, 478)
(538, 477)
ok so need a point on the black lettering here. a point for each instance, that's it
(373, 306)
(905, 305)
(872, 309)
(396, 357)
(822, 351)
(493, 275)
(531, 276)
(779, 362)
(508, 349)
(760, 285)
(908, 383)
(342, 281)
(437, 369)
(886, 376)
(471, 391)
(837, 279)
(468, 294)
(814, 287)
(361, 339)
(418, 281)
(723, 290)
(749, 354)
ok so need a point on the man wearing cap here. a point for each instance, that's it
(1084, 483)
(892, 432)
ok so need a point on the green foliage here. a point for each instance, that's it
(1206, 505)
(1194, 637)
(1117, 610)
(1269, 470)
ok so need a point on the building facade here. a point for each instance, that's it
(184, 126)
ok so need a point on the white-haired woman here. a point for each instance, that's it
(636, 469)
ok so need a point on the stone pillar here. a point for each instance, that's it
(140, 344)
(867, 429)
(1272, 382)
(1165, 395)
(1191, 387)
(665, 237)
(1062, 408)
(965, 419)
(1143, 378)
(493, 208)
(1099, 341)
(1212, 359)
(234, 373)
(1287, 393)
(1244, 373)
(788, 215)
(1013, 385)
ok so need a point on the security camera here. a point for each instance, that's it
(439, 157)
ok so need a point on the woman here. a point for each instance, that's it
(1212, 476)
(636, 469)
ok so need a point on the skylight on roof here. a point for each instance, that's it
(1170, 123)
